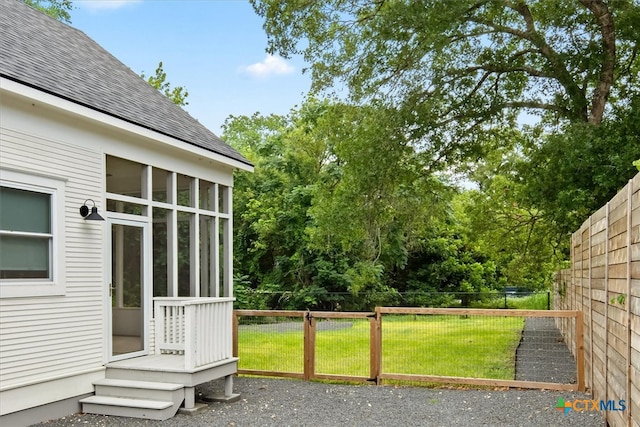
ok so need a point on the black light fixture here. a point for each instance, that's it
(94, 215)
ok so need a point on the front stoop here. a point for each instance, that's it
(137, 399)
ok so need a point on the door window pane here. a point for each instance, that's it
(128, 290)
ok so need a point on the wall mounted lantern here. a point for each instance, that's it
(94, 215)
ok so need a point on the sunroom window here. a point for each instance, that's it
(190, 218)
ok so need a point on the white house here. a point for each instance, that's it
(124, 315)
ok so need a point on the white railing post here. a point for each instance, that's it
(159, 326)
(189, 336)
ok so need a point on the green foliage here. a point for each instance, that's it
(271, 243)
(340, 209)
(534, 301)
(458, 68)
(511, 233)
(159, 81)
(247, 297)
(446, 263)
(571, 174)
(534, 190)
(58, 9)
(620, 299)
(445, 85)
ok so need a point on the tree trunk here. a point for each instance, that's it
(601, 93)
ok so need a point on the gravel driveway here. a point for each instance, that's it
(282, 402)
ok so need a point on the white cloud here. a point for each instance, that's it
(271, 65)
(98, 5)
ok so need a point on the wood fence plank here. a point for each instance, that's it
(478, 312)
(635, 287)
(234, 335)
(580, 352)
(258, 372)
(309, 348)
(619, 241)
(481, 382)
(618, 227)
(619, 205)
(375, 346)
(271, 313)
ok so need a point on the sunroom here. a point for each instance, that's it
(169, 274)
(170, 246)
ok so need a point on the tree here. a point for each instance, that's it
(458, 67)
(159, 81)
(339, 208)
(58, 9)
(499, 222)
(571, 174)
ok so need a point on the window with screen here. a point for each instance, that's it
(32, 242)
(25, 234)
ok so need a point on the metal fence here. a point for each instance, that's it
(512, 298)
(481, 347)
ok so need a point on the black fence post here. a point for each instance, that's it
(548, 300)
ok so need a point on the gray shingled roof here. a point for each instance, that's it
(43, 53)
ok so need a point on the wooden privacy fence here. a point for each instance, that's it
(604, 283)
(376, 346)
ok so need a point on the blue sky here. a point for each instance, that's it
(214, 48)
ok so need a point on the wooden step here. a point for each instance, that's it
(139, 389)
(128, 407)
(138, 384)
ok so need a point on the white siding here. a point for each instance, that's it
(55, 336)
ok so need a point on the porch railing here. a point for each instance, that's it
(198, 328)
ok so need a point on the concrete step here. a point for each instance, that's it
(128, 407)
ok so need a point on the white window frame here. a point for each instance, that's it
(55, 285)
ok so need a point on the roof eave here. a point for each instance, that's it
(24, 90)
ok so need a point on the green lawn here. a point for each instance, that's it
(535, 301)
(475, 346)
(262, 347)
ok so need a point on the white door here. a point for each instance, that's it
(128, 289)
